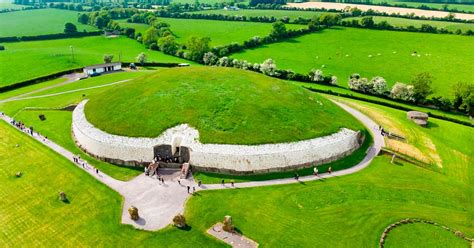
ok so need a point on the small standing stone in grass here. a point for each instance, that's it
(228, 227)
(62, 196)
(17, 145)
(19, 174)
(133, 211)
(393, 158)
(179, 221)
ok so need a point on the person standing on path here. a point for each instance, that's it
(315, 171)
(232, 183)
(297, 177)
(188, 188)
(179, 181)
(223, 183)
(330, 169)
(199, 182)
(97, 171)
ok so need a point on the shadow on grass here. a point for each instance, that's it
(187, 228)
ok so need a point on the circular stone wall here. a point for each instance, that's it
(239, 159)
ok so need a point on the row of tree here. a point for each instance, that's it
(368, 22)
(417, 92)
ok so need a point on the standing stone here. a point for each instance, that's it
(393, 158)
(18, 174)
(62, 196)
(179, 221)
(133, 211)
(228, 227)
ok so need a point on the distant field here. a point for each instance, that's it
(8, 4)
(206, 1)
(220, 32)
(402, 22)
(464, 7)
(263, 12)
(36, 22)
(28, 60)
(343, 51)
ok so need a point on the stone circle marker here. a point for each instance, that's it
(18, 174)
(228, 227)
(179, 221)
(62, 196)
(133, 211)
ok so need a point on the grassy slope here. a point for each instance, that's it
(57, 126)
(28, 60)
(402, 22)
(220, 32)
(428, 235)
(227, 106)
(32, 214)
(36, 22)
(447, 63)
(263, 12)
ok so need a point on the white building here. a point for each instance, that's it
(101, 68)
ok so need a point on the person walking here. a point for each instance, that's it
(97, 171)
(330, 169)
(315, 171)
(297, 177)
(199, 182)
(223, 183)
(188, 188)
(179, 181)
(232, 183)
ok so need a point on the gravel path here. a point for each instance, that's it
(386, 9)
(159, 203)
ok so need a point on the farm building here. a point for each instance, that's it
(101, 68)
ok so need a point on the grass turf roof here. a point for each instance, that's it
(227, 106)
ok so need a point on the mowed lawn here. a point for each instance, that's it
(26, 60)
(403, 22)
(57, 126)
(263, 12)
(37, 22)
(429, 235)
(33, 215)
(343, 51)
(220, 32)
(352, 211)
(354, 208)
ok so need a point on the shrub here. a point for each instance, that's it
(268, 67)
(402, 91)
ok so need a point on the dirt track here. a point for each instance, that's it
(388, 10)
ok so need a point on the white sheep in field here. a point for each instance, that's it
(370, 55)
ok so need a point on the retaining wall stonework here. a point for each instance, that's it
(237, 159)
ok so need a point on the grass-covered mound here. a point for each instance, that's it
(227, 106)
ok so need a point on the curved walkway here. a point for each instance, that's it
(159, 203)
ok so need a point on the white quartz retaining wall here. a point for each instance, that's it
(213, 157)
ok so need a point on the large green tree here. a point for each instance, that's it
(197, 47)
(70, 28)
(422, 86)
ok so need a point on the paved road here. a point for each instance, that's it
(159, 203)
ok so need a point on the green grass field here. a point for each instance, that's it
(26, 60)
(32, 214)
(343, 51)
(263, 12)
(354, 208)
(57, 126)
(227, 106)
(220, 32)
(36, 22)
(402, 22)
(464, 7)
(428, 235)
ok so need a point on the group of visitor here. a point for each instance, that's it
(168, 159)
(77, 160)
